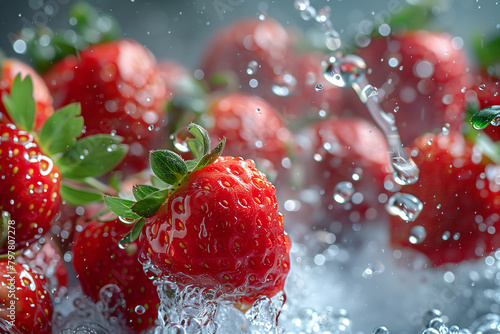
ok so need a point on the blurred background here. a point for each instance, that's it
(179, 29)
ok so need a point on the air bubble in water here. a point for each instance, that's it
(406, 206)
(417, 234)
(343, 192)
(446, 129)
(252, 67)
(318, 87)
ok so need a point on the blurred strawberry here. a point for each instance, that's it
(421, 76)
(345, 162)
(10, 68)
(121, 92)
(461, 202)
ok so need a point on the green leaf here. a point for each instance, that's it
(94, 28)
(20, 104)
(201, 136)
(120, 206)
(489, 148)
(79, 196)
(141, 191)
(212, 156)
(61, 130)
(149, 205)
(92, 156)
(156, 182)
(168, 166)
(485, 117)
(134, 233)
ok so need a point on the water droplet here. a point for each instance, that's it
(495, 121)
(308, 13)
(139, 309)
(258, 111)
(405, 170)
(417, 234)
(180, 140)
(345, 71)
(396, 109)
(343, 192)
(252, 67)
(381, 330)
(446, 129)
(151, 127)
(406, 206)
(482, 87)
(369, 91)
(284, 85)
(319, 87)
(463, 90)
(301, 4)
(323, 14)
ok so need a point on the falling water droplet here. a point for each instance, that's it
(139, 309)
(318, 87)
(396, 108)
(343, 192)
(252, 67)
(446, 129)
(417, 234)
(151, 127)
(495, 121)
(482, 87)
(406, 206)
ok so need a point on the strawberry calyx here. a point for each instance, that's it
(45, 46)
(479, 120)
(79, 161)
(170, 172)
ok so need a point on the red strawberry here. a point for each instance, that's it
(252, 127)
(173, 74)
(340, 150)
(262, 46)
(121, 92)
(29, 190)
(43, 100)
(421, 75)
(26, 302)
(99, 260)
(217, 227)
(460, 202)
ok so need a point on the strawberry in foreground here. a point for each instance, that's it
(460, 203)
(212, 222)
(24, 292)
(99, 260)
(32, 164)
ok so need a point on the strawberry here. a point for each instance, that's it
(96, 247)
(30, 185)
(252, 127)
(347, 151)
(43, 100)
(420, 75)
(217, 226)
(259, 55)
(33, 163)
(121, 92)
(460, 201)
(27, 303)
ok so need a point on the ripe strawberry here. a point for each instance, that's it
(121, 92)
(460, 202)
(26, 302)
(30, 185)
(173, 75)
(421, 75)
(99, 260)
(31, 179)
(217, 227)
(339, 150)
(43, 100)
(252, 127)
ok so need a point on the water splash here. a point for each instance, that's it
(406, 206)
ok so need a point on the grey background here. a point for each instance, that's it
(180, 29)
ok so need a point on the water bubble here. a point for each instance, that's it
(406, 206)
(482, 87)
(319, 87)
(343, 192)
(417, 234)
(345, 71)
(139, 309)
(446, 129)
(252, 67)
